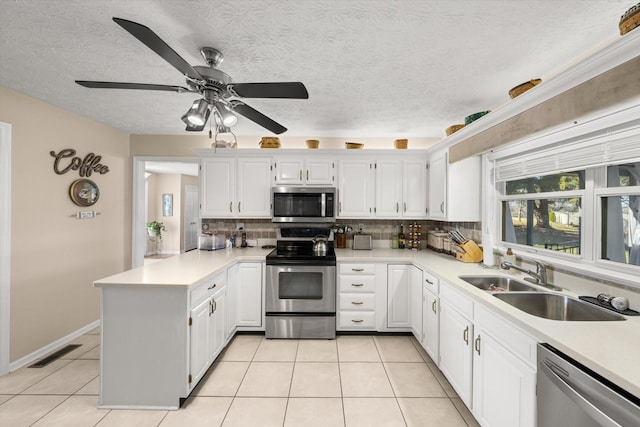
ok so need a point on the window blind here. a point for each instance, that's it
(600, 148)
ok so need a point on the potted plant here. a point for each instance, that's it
(155, 228)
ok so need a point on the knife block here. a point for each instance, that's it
(472, 253)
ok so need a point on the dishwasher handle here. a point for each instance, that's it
(549, 368)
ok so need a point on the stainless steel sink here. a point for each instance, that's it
(557, 307)
(497, 283)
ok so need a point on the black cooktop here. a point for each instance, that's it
(300, 253)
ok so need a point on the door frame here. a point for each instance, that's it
(5, 245)
(188, 188)
(138, 207)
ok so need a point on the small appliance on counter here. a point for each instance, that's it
(211, 242)
(362, 241)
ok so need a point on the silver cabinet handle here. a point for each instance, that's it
(405, 206)
(357, 284)
(357, 302)
(214, 305)
(476, 345)
(307, 174)
(433, 306)
(465, 335)
(230, 206)
(210, 308)
(428, 281)
(397, 207)
(357, 321)
(300, 174)
(239, 206)
(212, 287)
(442, 207)
(339, 207)
(357, 269)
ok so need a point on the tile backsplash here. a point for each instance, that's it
(381, 230)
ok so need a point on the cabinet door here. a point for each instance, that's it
(320, 172)
(414, 189)
(231, 306)
(504, 387)
(415, 302)
(398, 296)
(249, 294)
(431, 324)
(437, 185)
(355, 191)
(217, 183)
(388, 188)
(217, 328)
(199, 337)
(254, 188)
(289, 171)
(456, 334)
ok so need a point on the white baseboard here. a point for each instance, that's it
(51, 347)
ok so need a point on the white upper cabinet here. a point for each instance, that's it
(388, 188)
(454, 189)
(300, 171)
(233, 188)
(217, 187)
(355, 189)
(414, 188)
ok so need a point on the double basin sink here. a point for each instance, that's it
(532, 300)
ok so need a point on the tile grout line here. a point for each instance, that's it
(293, 371)
(390, 383)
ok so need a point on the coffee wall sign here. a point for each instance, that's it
(83, 192)
(67, 160)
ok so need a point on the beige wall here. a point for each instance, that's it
(55, 258)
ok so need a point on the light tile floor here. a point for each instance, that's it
(352, 381)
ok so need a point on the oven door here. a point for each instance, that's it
(301, 289)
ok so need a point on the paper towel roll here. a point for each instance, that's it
(489, 258)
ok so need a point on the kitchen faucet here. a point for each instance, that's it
(539, 277)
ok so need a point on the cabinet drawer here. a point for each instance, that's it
(356, 319)
(357, 283)
(357, 269)
(431, 281)
(207, 289)
(357, 302)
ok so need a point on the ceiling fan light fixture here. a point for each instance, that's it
(227, 117)
(198, 113)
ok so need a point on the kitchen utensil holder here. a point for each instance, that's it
(472, 252)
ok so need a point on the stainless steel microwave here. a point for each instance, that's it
(303, 204)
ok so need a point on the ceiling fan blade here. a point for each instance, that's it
(141, 86)
(293, 90)
(156, 44)
(257, 117)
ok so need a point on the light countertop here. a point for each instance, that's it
(612, 349)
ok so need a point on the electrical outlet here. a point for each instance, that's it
(240, 226)
(360, 228)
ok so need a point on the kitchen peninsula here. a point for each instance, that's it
(148, 347)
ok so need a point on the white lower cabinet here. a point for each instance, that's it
(415, 302)
(398, 312)
(357, 303)
(504, 374)
(456, 357)
(207, 326)
(232, 301)
(248, 294)
(431, 323)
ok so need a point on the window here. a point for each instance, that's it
(545, 212)
(620, 213)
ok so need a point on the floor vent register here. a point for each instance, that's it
(54, 356)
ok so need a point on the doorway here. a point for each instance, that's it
(153, 179)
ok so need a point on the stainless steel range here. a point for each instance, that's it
(301, 284)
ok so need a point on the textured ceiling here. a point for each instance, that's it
(372, 67)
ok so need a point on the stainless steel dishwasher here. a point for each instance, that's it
(571, 395)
